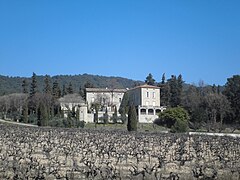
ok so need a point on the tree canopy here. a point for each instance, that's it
(149, 79)
(175, 118)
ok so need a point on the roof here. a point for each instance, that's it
(71, 98)
(145, 86)
(105, 90)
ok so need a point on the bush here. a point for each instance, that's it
(180, 126)
(32, 119)
(175, 118)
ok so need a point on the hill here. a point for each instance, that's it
(10, 85)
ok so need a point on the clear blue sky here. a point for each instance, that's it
(129, 38)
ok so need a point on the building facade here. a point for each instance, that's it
(106, 98)
(74, 102)
(146, 100)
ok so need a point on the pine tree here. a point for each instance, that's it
(33, 88)
(25, 86)
(132, 119)
(149, 79)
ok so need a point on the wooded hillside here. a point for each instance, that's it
(10, 85)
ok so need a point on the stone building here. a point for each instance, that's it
(74, 102)
(106, 98)
(146, 99)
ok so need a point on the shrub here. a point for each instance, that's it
(180, 126)
(175, 118)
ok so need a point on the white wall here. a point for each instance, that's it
(147, 118)
(150, 97)
(110, 98)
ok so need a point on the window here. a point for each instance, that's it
(153, 94)
(150, 111)
(147, 94)
(143, 111)
(120, 100)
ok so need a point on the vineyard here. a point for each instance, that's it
(48, 153)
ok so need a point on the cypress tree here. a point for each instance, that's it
(132, 119)
(25, 86)
(105, 117)
(163, 78)
(164, 93)
(47, 88)
(25, 112)
(114, 118)
(42, 115)
(96, 114)
(173, 85)
(123, 109)
(33, 88)
(77, 114)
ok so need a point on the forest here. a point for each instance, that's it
(35, 100)
(10, 85)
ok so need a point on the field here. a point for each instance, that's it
(55, 153)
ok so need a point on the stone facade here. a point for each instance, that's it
(76, 102)
(106, 98)
(146, 99)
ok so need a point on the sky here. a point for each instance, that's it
(199, 39)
